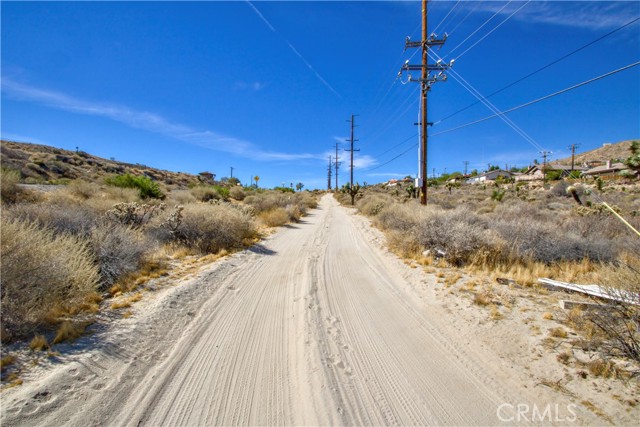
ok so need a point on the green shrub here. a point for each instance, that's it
(147, 187)
(224, 192)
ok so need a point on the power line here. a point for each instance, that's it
(396, 157)
(540, 99)
(478, 29)
(540, 69)
(464, 19)
(495, 28)
(446, 16)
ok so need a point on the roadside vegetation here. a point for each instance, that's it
(84, 247)
(523, 233)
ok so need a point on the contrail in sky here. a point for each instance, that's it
(298, 54)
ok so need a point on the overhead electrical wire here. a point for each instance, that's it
(495, 28)
(478, 29)
(476, 93)
(540, 99)
(464, 19)
(540, 69)
(391, 160)
(446, 16)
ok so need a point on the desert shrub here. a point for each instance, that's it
(619, 321)
(209, 228)
(9, 189)
(294, 212)
(237, 193)
(146, 187)
(459, 233)
(60, 217)
(83, 190)
(548, 243)
(264, 202)
(306, 201)
(372, 205)
(274, 217)
(205, 193)
(223, 192)
(39, 272)
(118, 251)
(180, 197)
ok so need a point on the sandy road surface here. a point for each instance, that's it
(317, 326)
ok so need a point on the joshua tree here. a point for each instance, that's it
(299, 186)
(256, 179)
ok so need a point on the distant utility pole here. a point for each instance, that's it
(231, 172)
(426, 80)
(466, 164)
(573, 154)
(544, 165)
(337, 164)
(351, 149)
(329, 174)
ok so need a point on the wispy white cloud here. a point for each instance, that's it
(363, 161)
(147, 121)
(596, 15)
(294, 50)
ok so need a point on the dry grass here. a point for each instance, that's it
(38, 343)
(7, 361)
(31, 257)
(558, 332)
(547, 316)
(69, 331)
(127, 302)
(482, 299)
(275, 217)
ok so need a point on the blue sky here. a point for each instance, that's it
(268, 87)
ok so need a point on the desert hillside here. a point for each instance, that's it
(609, 151)
(41, 163)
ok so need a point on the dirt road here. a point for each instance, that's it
(316, 326)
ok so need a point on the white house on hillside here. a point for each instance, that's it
(490, 176)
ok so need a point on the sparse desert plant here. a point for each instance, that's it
(118, 250)
(275, 217)
(69, 331)
(205, 193)
(41, 270)
(237, 193)
(9, 179)
(38, 343)
(294, 212)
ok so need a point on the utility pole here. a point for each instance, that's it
(466, 165)
(231, 172)
(544, 165)
(337, 164)
(426, 80)
(351, 149)
(573, 154)
(329, 174)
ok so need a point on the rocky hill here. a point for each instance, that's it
(44, 164)
(614, 151)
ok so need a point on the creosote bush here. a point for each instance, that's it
(209, 228)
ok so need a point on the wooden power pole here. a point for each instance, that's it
(426, 80)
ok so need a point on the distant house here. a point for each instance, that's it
(392, 183)
(608, 170)
(490, 176)
(536, 172)
(207, 177)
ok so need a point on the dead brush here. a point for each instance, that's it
(69, 331)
